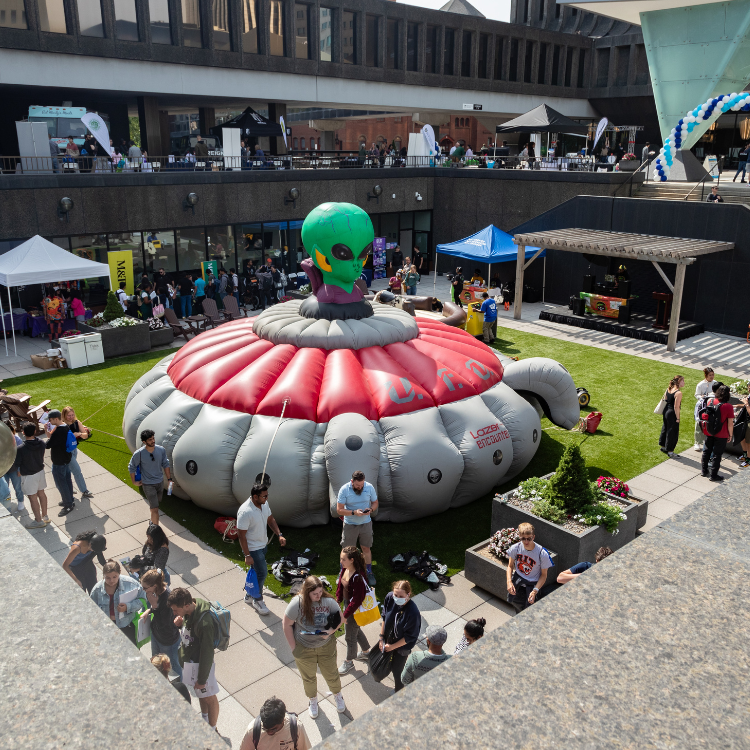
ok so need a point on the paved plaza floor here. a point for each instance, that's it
(258, 663)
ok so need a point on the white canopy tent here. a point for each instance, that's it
(39, 261)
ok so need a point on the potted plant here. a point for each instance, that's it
(628, 163)
(570, 514)
(617, 489)
(486, 563)
(121, 334)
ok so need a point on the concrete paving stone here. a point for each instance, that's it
(121, 542)
(59, 556)
(205, 565)
(233, 721)
(282, 683)
(84, 459)
(249, 620)
(362, 695)
(244, 663)
(83, 508)
(328, 722)
(682, 496)
(170, 526)
(455, 632)
(274, 640)
(115, 498)
(703, 484)
(74, 524)
(51, 537)
(130, 514)
(432, 613)
(227, 587)
(459, 597)
(651, 523)
(90, 469)
(185, 545)
(495, 612)
(672, 471)
(653, 485)
(104, 482)
(663, 509)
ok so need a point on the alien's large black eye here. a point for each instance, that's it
(342, 252)
(365, 252)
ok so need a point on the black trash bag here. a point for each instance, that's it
(380, 663)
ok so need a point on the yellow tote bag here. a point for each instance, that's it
(368, 611)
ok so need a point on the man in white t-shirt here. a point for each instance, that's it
(122, 296)
(252, 518)
(528, 563)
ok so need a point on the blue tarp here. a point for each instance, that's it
(490, 245)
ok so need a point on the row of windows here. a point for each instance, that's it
(436, 39)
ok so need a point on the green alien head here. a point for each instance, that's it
(338, 237)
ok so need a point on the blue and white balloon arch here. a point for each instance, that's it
(705, 114)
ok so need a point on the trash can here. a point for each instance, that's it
(74, 351)
(474, 319)
(94, 348)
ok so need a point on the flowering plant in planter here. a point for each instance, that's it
(124, 322)
(613, 485)
(502, 541)
(740, 387)
(628, 157)
(96, 321)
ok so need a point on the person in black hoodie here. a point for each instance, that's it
(29, 464)
(400, 629)
(57, 445)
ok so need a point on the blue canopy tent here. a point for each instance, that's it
(490, 245)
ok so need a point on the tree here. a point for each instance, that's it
(113, 309)
(135, 130)
(569, 489)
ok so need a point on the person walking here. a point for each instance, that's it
(275, 729)
(234, 284)
(54, 152)
(742, 165)
(223, 284)
(489, 310)
(702, 391)
(80, 432)
(79, 564)
(29, 467)
(356, 502)
(411, 280)
(670, 431)
(422, 662)
(165, 635)
(397, 259)
(473, 631)
(252, 518)
(57, 444)
(153, 463)
(399, 632)
(457, 286)
(351, 591)
(310, 623)
(716, 439)
(186, 296)
(193, 616)
(645, 152)
(106, 594)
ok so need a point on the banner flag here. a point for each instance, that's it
(98, 129)
(121, 269)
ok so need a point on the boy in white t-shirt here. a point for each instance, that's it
(528, 563)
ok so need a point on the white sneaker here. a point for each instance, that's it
(35, 525)
(340, 705)
(698, 447)
(346, 666)
(363, 656)
(314, 707)
(260, 607)
(21, 508)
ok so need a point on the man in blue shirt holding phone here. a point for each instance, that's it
(356, 502)
(489, 309)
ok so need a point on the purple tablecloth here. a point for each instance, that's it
(39, 324)
(19, 321)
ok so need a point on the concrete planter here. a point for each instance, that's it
(571, 547)
(118, 342)
(642, 508)
(161, 337)
(491, 573)
(628, 165)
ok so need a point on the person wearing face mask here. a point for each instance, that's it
(400, 629)
(107, 595)
(473, 631)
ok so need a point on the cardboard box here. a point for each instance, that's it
(42, 361)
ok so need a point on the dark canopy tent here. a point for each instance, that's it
(542, 119)
(251, 124)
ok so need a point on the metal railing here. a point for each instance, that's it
(644, 165)
(702, 183)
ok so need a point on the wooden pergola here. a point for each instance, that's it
(676, 250)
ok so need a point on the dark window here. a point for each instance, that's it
(602, 66)
(457, 122)
(250, 26)
(556, 65)
(513, 67)
(542, 72)
(372, 42)
(541, 10)
(301, 31)
(276, 28)
(126, 20)
(191, 23)
(498, 58)
(641, 65)
(14, 20)
(412, 46)
(161, 31)
(484, 43)
(325, 33)
(466, 54)
(431, 49)
(557, 11)
(392, 42)
(90, 18)
(623, 63)
(449, 51)
(525, 11)
(222, 36)
(569, 65)
(528, 62)
(349, 38)
(581, 66)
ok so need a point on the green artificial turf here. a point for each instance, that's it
(624, 388)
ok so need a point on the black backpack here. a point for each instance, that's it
(257, 726)
(711, 418)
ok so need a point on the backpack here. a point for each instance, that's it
(70, 442)
(222, 618)
(292, 728)
(711, 418)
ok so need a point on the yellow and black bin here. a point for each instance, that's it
(474, 319)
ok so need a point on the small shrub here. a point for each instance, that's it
(113, 309)
(549, 512)
(569, 489)
(602, 514)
